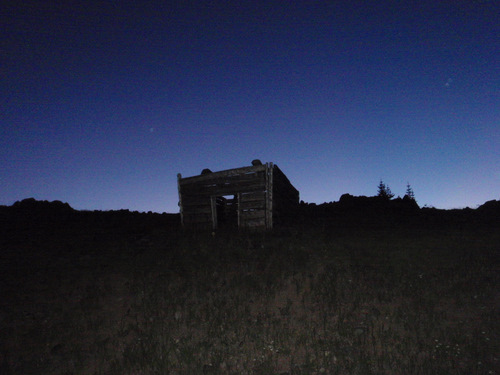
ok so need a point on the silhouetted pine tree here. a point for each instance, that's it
(409, 192)
(384, 191)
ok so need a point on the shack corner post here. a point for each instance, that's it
(179, 177)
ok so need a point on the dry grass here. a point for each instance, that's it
(315, 301)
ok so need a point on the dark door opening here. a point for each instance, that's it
(227, 211)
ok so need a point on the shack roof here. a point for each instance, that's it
(224, 173)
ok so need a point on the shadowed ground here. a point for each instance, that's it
(128, 293)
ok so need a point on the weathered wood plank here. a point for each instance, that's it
(220, 190)
(253, 200)
(259, 205)
(254, 223)
(225, 173)
(246, 215)
(233, 179)
(259, 194)
(236, 184)
(257, 197)
(224, 182)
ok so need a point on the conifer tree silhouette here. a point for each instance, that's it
(409, 192)
(384, 191)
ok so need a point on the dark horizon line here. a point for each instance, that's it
(302, 203)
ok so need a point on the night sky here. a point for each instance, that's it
(103, 103)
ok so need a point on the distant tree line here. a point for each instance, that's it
(384, 191)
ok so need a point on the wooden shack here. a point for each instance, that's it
(256, 196)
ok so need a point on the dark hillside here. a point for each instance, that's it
(360, 286)
(43, 217)
(32, 229)
(378, 213)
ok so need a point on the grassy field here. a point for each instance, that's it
(317, 299)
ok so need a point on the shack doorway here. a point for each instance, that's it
(226, 211)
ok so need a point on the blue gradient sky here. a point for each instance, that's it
(103, 103)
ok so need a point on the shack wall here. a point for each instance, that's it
(198, 196)
(285, 197)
